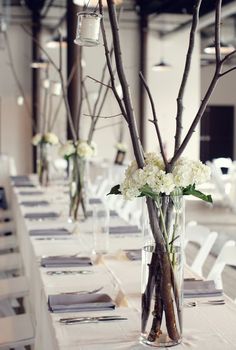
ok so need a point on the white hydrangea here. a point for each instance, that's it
(84, 150)
(67, 149)
(37, 138)
(51, 138)
(154, 159)
(186, 172)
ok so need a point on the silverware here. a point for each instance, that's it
(69, 272)
(84, 291)
(96, 319)
(52, 238)
(206, 302)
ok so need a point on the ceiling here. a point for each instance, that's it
(169, 15)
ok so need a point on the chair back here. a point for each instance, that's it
(227, 256)
(202, 236)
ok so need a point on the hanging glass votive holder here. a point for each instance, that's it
(56, 88)
(88, 29)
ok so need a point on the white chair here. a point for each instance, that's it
(12, 289)
(10, 262)
(204, 238)
(8, 242)
(6, 227)
(16, 332)
(5, 214)
(227, 256)
(223, 163)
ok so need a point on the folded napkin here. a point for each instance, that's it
(101, 213)
(198, 288)
(65, 261)
(23, 184)
(20, 178)
(95, 201)
(49, 232)
(80, 302)
(124, 229)
(134, 254)
(41, 215)
(34, 203)
(29, 193)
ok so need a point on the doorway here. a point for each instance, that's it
(217, 133)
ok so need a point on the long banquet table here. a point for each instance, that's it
(207, 327)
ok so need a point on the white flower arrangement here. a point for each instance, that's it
(120, 146)
(82, 149)
(67, 149)
(49, 137)
(153, 178)
(36, 139)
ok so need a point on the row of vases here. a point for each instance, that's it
(162, 255)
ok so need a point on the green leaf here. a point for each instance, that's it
(114, 190)
(190, 190)
(148, 192)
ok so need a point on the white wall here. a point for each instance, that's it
(15, 121)
(165, 85)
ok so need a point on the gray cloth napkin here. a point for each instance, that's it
(41, 215)
(20, 178)
(124, 229)
(49, 232)
(29, 193)
(134, 254)
(95, 201)
(23, 184)
(80, 302)
(65, 261)
(199, 288)
(102, 213)
(34, 203)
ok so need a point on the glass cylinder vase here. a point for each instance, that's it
(162, 271)
(43, 163)
(77, 187)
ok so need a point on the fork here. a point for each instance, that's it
(206, 302)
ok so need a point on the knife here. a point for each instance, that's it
(96, 319)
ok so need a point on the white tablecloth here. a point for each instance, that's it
(205, 327)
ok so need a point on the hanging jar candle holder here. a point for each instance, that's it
(88, 29)
(56, 88)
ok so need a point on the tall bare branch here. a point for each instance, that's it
(185, 77)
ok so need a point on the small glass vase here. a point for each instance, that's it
(77, 187)
(43, 163)
(162, 271)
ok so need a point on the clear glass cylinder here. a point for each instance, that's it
(88, 29)
(162, 271)
(77, 187)
(43, 163)
(101, 220)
